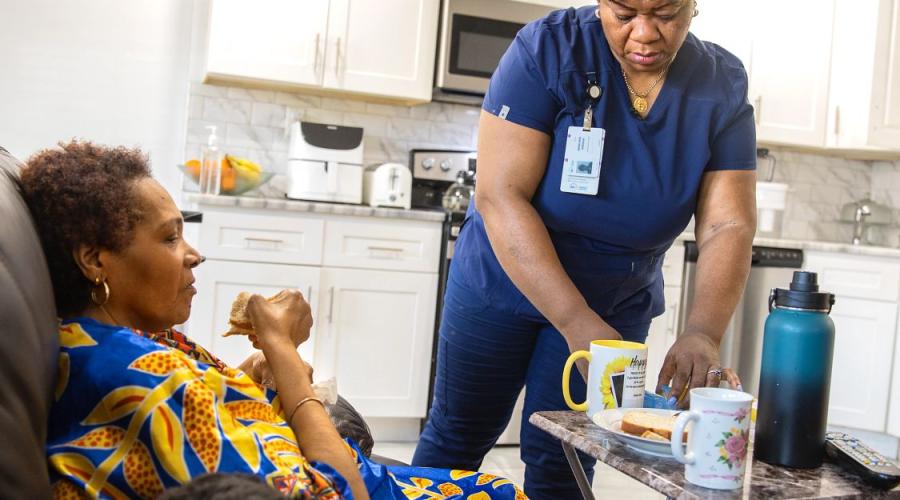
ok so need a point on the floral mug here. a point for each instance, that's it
(718, 440)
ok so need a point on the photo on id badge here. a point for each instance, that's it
(582, 160)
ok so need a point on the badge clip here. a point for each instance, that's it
(593, 93)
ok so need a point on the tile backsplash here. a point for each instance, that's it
(252, 123)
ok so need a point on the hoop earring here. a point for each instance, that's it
(94, 298)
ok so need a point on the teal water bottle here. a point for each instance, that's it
(795, 375)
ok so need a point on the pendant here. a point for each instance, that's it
(640, 105)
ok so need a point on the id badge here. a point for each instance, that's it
(581, 166)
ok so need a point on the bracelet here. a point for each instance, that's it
(301, 403)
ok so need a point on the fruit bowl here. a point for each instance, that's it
(238, 175)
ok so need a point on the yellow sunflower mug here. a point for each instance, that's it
(615, 376)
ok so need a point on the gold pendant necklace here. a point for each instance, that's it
(639, 99)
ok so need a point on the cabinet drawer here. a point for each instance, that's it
(261, 237)
(673, 265)
(855, 276)
(383, 244)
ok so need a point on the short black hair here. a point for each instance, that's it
(81, 193)
(218, 486)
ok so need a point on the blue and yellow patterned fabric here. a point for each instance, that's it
(134, 416)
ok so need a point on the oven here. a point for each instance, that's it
(474, 34)
(434, 171)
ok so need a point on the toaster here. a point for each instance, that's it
(387, 185)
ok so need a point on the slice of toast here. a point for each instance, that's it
(638, 422)
(239, 320)
(654, 436)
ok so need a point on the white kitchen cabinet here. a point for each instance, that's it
(664, 329)
(829, 82)
(865, 320)
(371, 282)
(384, 48)
(790, 66)
(885, 108)
(893, 423)
(219, 282)
(267, 40)
(392, 57)
(723, 23)
(861, 369)
(375, 332)
(662, 334)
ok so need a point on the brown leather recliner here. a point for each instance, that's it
(28, 344)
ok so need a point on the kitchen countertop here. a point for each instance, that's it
(666, 475)
(316, 207)
(820, 246)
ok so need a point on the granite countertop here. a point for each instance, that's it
(666, 475)
(316, 207)
(821, 246)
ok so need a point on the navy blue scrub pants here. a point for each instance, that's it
(485, 356)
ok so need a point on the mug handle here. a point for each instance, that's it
(567, 372)
(678, 437)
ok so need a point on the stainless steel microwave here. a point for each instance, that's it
(474, 34)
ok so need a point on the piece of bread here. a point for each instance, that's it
(654, 436)
(239, 320)
(638, 422)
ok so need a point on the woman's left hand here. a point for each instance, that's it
(692, 361)
(256, 366)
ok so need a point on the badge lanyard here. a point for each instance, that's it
(584, 148)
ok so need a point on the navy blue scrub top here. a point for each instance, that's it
(651, 168)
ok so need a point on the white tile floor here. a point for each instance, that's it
(504, 461)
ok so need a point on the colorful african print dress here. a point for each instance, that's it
(137, 413)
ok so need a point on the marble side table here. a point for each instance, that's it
(665, 475)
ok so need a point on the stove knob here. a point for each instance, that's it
(446, 164)
(427, 163)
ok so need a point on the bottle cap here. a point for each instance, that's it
(804, 294)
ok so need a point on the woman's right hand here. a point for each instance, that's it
(284, 320)
(581, 332)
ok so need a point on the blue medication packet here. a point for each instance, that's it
(661, 402)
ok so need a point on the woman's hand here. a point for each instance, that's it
(256, 366)
(692, 361)
(580, 333)
(285, 320)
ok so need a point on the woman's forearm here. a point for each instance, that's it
(523, 247)
(722, 270)
(316, 435)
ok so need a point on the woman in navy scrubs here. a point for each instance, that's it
(604, 129)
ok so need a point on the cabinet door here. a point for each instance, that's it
(893, 426)
(274, 40)
(852, 62)
(790, 68)
(384, 48)
(375, 331)
(219, 282)
(662, 334)
(861, 370)
(886, 93)
(723, 22)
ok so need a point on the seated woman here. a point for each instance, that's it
(141, 408)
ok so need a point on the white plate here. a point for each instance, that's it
(611, 421)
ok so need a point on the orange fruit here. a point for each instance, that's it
(193, 167)
(229, 176)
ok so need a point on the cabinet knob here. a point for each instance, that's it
(428, 163)
(446, 164)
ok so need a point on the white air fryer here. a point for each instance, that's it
(325, 163)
